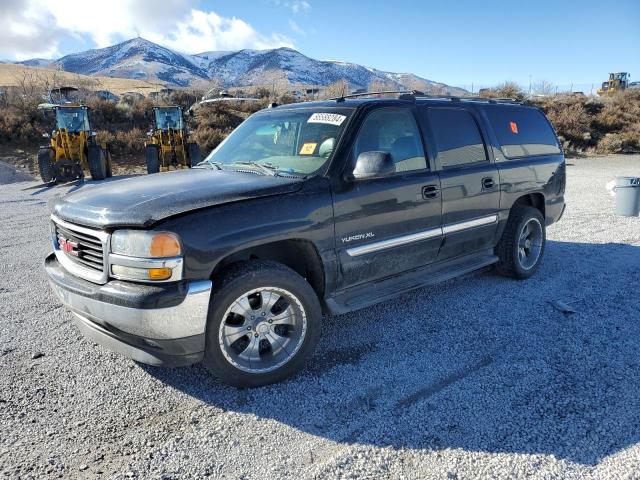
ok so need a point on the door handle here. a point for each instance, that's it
(430, 191)
(487, 183)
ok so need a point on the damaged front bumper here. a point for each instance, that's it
(160, 325)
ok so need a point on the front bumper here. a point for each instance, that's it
(155, 324)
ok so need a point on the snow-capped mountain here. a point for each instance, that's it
(141, 59)
(137, 58)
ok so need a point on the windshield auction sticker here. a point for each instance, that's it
(308, 149)
(328, 118)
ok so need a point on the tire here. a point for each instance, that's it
(46, 165)
(519, 259)
(97, 162)
(193, 152)
(152, 157)
(107, 154)
(226, 351)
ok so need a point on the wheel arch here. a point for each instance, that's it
(300, 255)
(535, 200)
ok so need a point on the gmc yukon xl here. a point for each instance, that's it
(305, 209)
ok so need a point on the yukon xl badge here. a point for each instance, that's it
(360, 236)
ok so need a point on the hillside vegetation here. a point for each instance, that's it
(15, 75)
(586, 125)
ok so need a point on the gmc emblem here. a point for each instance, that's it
(68, 246)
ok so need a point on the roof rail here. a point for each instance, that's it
(402, 93)
(455, 98)
(413, 94)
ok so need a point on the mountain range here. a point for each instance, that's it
(144, 60)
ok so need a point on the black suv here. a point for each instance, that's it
(305, 209)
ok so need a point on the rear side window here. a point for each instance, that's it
(522, 131)
(457, 136)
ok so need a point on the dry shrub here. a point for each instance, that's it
(104, 136)
(611, 143)
(208, 138)
(505, 90)
(130, 141)
(19, 127)
(569, 117)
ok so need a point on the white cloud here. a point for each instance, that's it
(203, 31)
(296, 6)
(296, 28)
(35, 27)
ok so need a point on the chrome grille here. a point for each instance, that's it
(86, 249)
(80, 250)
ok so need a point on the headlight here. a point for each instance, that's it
(139, 243)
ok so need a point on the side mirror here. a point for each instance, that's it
(372, 165)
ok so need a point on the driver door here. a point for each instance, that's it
(385, 226)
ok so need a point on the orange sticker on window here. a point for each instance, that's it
(308, 149)
(514, 127)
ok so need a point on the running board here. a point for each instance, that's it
(361, 296)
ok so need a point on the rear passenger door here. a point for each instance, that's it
(469, 180)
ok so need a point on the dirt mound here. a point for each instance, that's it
(9, 174)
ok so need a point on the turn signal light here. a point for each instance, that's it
(159, 273)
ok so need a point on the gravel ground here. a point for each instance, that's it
(477, 377)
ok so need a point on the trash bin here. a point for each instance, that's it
(628, 196)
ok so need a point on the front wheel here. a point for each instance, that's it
(97, 162)
(46, 165)
(521, 247)
(263, 324)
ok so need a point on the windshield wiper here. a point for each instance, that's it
(266, 168)
(210, 163)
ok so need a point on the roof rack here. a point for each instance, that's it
(455, 98)
(413, 94)
(402, 93)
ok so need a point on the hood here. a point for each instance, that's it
(144, 200)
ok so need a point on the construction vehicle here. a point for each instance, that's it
(169, 146)
(72, 147)
(617, 82)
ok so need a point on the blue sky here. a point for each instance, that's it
(458, 43)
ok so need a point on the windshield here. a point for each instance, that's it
(72, 119)
(298, 142)
(167, 118)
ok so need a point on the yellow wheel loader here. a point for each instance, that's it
(72, 147)
(616, 83)
(169, 146)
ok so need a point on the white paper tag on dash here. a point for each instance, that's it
(328, 118)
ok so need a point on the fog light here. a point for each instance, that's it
(142, 273)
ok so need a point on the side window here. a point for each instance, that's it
(522, 131)
(457, 136)
(392, 130)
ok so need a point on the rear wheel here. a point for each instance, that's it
(97, 162)
(193, 152)
(46, 165)
(521, 247)
(152, 157)
(263, 324)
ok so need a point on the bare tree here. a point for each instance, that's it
(544, 87)
(380, 85)
(336, 89)
(28, 91)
